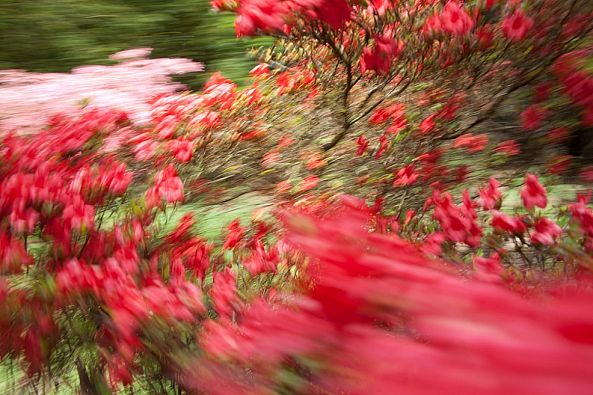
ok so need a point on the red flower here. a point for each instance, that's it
(333, 12)
(461, 173)
(405, 176)
(260, 71)
(485, 37)
(182, 150)
(542, 92)
(533, 193)
(516, 26)
(13, 254)
(224, 290)
(23, 220)
(283, 186)
(363, 144)
(383, 145)
(270, 158)
(488, 269)
(78, 215)
(264, 15)
(261, 261)
(285, 141)
(505, 223)
(532, 117)
(546, 232)
(380, 57)
(471, 142)
(381, 115)
(490, 195)
(558, 135)
(235, 234)
(410, 214)
(428, 124)
(458, 222)
(168, 187)
(309, 183)
(115, 178)
(583, 214)
(508, 148)
(579, 87)
(559, 164)
(587, 174)
(455, 20)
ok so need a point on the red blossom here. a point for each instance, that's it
(471, 143)
(405, 176)
(533, 193)
(224, 292)
(380, 57)
(505, 223)
(79, 215)
(363, 144)
(182, 150)
(234, 235)
(546, 232)
(508, 148)
(488, 269)
(532, 117)
(558, 135)
(516, 26)
(455, 20)
(309, 183)
(428, 124)
(383, 145)
(490, 195)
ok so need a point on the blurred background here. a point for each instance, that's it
(57, 35)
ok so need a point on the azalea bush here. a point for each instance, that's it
(386, 138)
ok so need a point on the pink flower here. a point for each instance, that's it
(533, 193)
(136, 53)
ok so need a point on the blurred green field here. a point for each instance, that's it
(57, 35)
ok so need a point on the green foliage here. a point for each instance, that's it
(57, 35)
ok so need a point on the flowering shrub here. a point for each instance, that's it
(395, 102)
(383, 317)
(27, 100)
